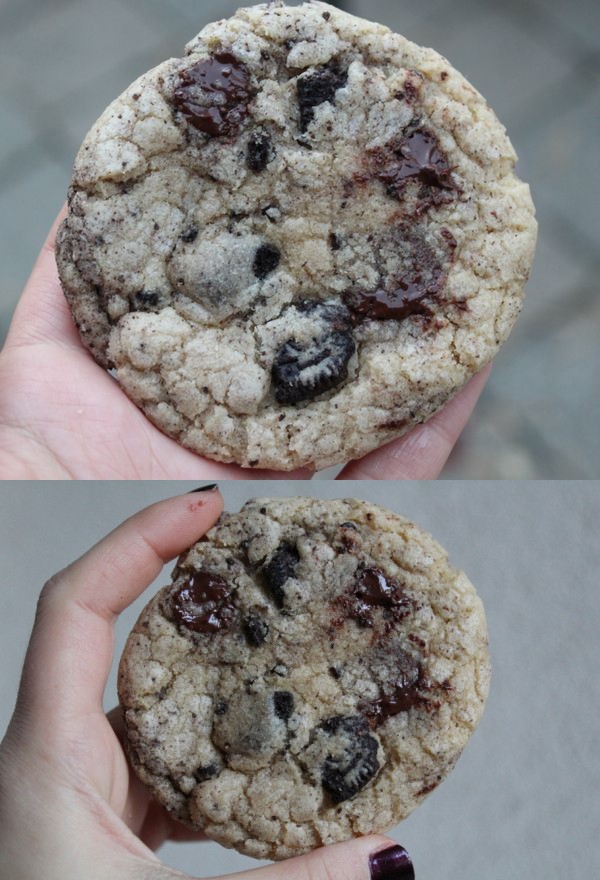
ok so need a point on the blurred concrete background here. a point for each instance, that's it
(523, 800)
(536, 61)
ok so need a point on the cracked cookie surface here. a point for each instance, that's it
(312, 673)
(297, 241)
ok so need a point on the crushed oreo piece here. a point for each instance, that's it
(190, 234)
(280, 568)
(145, 299)
(353, 760)
(259, 151)
(267, 259)
(283, 704)
(317, 88)
(208, 772)
(256, 630)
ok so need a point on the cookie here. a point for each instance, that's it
(312, 674)
(297, 241)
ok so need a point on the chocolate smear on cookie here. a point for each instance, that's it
(406, 693)
(414, 291)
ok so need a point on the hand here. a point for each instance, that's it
(64, 417)
(69, 805)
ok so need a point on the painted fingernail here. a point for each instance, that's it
(210, 488)
(391, 864)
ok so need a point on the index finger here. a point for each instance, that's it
(70, 652)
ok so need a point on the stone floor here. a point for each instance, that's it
(537, 62)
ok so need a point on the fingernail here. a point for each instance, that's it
(210, 488)
(392, 863)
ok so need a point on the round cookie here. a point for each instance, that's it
(313, 672)
(297, 241)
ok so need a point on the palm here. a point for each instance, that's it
(77, 416)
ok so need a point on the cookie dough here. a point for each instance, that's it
(313, 672)
(297, 241)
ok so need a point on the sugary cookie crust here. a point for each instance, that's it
(157, 255)
(232, 726)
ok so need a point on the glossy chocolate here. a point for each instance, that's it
(204, 603)
(214, 95)
(374, 588)
(417, 156)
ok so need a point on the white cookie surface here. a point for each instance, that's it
(297, 270)
(313, 672)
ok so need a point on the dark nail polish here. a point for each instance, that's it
(392, 863)
(210, 488)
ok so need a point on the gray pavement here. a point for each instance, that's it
(537, 62)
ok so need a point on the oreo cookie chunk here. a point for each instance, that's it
(298, 240)
(312, 673)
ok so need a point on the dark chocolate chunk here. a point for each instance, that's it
(353, 762)
(267, 258)
(280, 568)
(374, 588)
(213, 95)
(416, 156)
(283, 704)
(204, 603)
(190, 234)
(371, 589)
(256, 630)
(259, 151)
(317, 88)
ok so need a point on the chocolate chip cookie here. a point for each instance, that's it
(297, 241)
(312, 673)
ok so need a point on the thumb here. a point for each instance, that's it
(365, 858)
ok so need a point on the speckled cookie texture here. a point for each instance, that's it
(312, 674)
(297, 241)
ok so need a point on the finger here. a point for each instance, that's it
(70, 652)
(421, 454)
(42, 313)
(365, 858)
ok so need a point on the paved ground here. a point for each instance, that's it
(538, 63)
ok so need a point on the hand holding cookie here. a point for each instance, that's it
(63, 417)
(63, 772)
